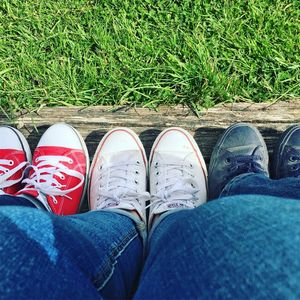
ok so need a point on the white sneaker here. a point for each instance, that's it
(178, 175)
(118, 173)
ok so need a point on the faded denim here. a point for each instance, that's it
(238, 247)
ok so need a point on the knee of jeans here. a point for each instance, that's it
(32, 225)
(186, 220)
(213, 214)
(183, 221)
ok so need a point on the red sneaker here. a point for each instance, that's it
(58, 175)
(15, 155)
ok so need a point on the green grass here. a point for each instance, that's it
(147, 52)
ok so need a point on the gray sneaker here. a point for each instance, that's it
(241, 149)
(286, 160)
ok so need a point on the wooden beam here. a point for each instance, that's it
(93, 122)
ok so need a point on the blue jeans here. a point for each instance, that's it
(239, 246)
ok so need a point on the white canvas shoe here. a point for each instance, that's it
(178, 174)
(118, 173)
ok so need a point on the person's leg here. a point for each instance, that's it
(259, 184)
(239, 152)
(178, 183)
(237, 247)
(9, 200)
(82, 256)
(118, 184)
(177, 174)
(286, 167)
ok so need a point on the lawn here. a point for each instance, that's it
(147, 52)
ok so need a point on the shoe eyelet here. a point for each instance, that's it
(137, 162)
(137, 172)
(55, 201)
(11, 163)
(191, 166)
(70, 161)
(292, 159)
(227, 161)
(157, 173)
(136, 182)
(62, 177)
(192, 185)
(156, 183)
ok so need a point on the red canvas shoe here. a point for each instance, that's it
(15, 155)
(58, 174)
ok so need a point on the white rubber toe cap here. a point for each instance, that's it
(61, 135)
(11, 138)
(118, 140)
(175, 141)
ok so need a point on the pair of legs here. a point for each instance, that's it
(236, 247)
(212, 251)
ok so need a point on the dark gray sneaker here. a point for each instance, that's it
(286, 160)
(241, 149)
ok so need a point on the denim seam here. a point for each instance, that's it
(108, 268)
(139, 224)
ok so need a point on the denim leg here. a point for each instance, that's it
(252, 183)
(240, 247)
(8, 200)
(82, 256)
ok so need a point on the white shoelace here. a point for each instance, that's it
(175, 186)
(43, 176)
(118, 188)
(7, 173)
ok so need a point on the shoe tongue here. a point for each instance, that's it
(170, 205)
(294, 149)
(33, 193)
(175, 157)
(130, 156)
(243, 150)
